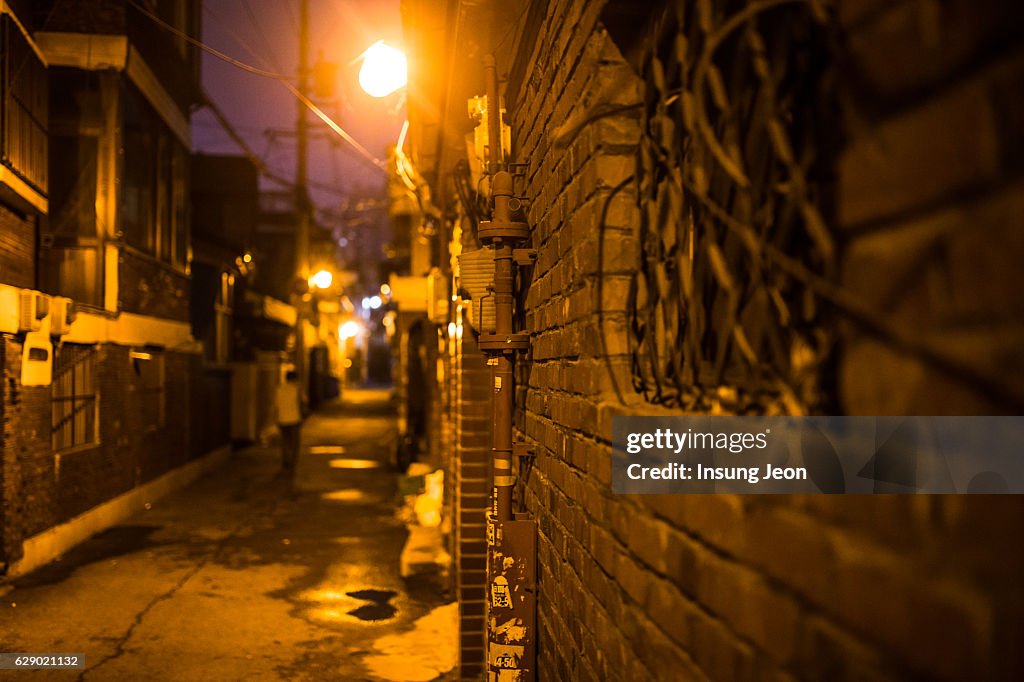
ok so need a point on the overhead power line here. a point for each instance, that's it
(259, 162)
(284, 80)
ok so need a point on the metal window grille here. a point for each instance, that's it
(733, 178)
(74, 393)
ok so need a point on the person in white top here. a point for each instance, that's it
(289, 420)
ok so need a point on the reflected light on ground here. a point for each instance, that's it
(346, 495)
(328, 614)
(323, 596)
(326, 449)
(345, 463)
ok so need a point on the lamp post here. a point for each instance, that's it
(383, 72)
(302, 203)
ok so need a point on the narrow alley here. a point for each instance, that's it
(245, 575)
(512, 340)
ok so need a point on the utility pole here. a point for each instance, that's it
(302, 198)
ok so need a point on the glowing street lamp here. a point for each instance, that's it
(348, 330)
(321, 280)
(384, 70)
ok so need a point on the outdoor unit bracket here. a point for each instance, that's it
(504, 343)
(521, 449)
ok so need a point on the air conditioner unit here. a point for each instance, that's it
(62, 314)
(32, 308)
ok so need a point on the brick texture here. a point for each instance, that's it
(781, 587)
(42, 488)
(471, 454)
(17, 249)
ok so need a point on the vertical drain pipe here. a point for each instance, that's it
(511, 537)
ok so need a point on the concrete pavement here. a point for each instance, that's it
(246, 575)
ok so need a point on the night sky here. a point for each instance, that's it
(265, 34)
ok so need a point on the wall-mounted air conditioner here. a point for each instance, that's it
(62, 314)
(32, 308)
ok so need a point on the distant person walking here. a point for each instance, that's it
(289, 420)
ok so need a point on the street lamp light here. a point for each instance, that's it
(349, 329)
(384, 70)
(321, 280)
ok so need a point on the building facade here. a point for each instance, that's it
(103, 379)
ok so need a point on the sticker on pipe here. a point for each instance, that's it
(500, 597)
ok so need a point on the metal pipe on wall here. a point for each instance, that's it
(511, 537)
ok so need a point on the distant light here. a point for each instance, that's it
(321, 280)
(451, 329)
(345, 495)
(343, 242)
(346, 463)
(366, 303)
(247, 258)
(384, 70)
(385, 290)
(349, 329)
(376, 302)
(326, 449)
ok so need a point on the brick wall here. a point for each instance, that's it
(17, 249)
(782, 587)
(932, 194)
(27, 467)
(42, 489)
(471, 454)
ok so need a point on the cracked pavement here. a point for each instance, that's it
(244, 575)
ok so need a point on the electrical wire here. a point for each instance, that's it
(260, 58)
(260, 34)
(284, 80)
(206, 48)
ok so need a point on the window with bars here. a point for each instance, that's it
(74, 398)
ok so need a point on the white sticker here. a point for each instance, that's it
(500, 598)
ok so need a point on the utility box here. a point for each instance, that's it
(37, 360)
(245, 384)
(476, 276)
(409, 293)
(438, 296)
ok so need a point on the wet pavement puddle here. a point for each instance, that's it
(378, 607)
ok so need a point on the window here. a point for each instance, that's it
(149, 367)
(74, 404)
(221, 345)
(23, 138)
(72, 243)
(155, 184)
